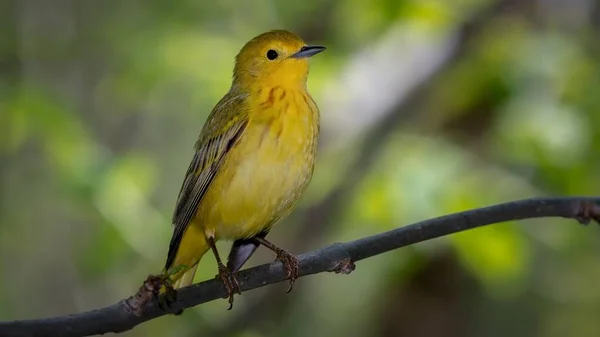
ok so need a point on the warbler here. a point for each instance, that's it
(253, 160)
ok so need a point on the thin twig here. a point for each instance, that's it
(339, 257)
(325, 211)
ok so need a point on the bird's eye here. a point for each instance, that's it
(271, 54)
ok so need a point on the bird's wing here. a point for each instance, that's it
(211, 150)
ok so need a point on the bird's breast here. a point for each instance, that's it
(269, 168)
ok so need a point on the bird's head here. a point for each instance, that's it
(277, 57)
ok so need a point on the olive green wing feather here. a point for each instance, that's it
(220, 133)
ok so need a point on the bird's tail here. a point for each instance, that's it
(192, 246)
(187, 278)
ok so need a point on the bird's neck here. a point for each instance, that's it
(274, 99)
(286, 77)
(258, 88)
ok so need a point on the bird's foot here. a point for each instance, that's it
(588, 211)
(290, 262)
(291, 265)
(230, 282)
(151, 289)
(162, 290)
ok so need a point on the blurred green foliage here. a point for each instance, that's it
(101, 102)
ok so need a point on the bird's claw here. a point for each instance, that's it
(230, 282)
(291, 265)
(587, 212)
(157, 282)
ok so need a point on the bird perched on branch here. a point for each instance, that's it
(253, 160)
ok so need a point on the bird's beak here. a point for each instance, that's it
(308, 51)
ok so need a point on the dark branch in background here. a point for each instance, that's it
(436, 291)
(339, 257)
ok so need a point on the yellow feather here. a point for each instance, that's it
(254, 156)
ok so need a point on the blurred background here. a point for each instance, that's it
(428, 107)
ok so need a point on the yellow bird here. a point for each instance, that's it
(254, 158)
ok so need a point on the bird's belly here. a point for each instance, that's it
(259, 183)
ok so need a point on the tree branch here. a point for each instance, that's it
(415, 99)
(339, 257)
